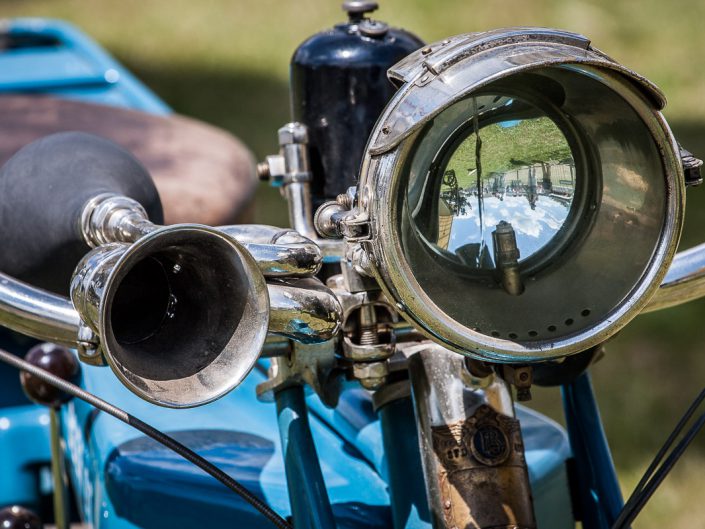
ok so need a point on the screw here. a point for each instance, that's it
(345, 200)
(263, 171)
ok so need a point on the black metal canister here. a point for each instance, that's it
(339, 87)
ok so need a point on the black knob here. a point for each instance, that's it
(17, 517)
(356, 9)
(58, 361)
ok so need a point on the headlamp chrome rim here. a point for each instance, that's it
(380, 180)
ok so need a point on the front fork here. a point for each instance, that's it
(472, 451)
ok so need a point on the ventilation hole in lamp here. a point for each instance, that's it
(585, 312)
(551, 328)
(569, 322)
(533, 334)
(513, 335)
(495, 334)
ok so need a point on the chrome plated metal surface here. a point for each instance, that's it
(504, 51)
(109, 218)
(278, 252)
(304, 310)
(191, 290)
(578, 288)
(180, 315)
(685, 280)
(37, 313)
(298, 196)
(290, 170)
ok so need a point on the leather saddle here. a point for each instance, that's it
(203, 174)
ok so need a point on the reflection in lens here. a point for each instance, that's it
(507, 175)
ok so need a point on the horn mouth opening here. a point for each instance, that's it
(184, 315)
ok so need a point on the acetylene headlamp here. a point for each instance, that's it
(521, 196)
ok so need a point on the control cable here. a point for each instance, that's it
(149, 431)
(660, 467)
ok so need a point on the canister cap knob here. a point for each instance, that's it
(357, 8)
(373, 28)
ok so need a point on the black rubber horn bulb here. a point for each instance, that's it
(43, 189)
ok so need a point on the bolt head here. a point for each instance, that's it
(370, 371)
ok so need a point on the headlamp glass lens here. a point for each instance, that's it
(500, 188)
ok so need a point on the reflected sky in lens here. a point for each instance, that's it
(534, 227)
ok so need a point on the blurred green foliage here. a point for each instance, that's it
(226, 62)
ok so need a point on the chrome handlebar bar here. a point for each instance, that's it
(685, 280)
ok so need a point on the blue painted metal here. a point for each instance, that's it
(125, 481)
(121, 477)
(598, 493)
(24, 449)
(24, 433)
(310, 506)
(546, 450)
(407, 488)
(56, 58)
(11, 393)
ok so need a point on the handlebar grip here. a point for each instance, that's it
(43, 189)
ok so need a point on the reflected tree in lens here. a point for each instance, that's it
(512, 166)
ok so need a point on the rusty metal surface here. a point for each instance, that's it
(482, 472)
(203, 174)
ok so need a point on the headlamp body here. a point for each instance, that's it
(621, 220)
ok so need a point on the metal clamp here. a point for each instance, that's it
(292, 163)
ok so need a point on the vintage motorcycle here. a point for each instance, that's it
(468, 219)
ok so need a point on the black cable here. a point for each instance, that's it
(671, 438)
(655, 474)
(653, 484)
(150, 431)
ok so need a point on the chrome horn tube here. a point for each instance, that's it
(278, 252)
(180, 313)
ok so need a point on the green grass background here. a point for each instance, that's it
(226, 62)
